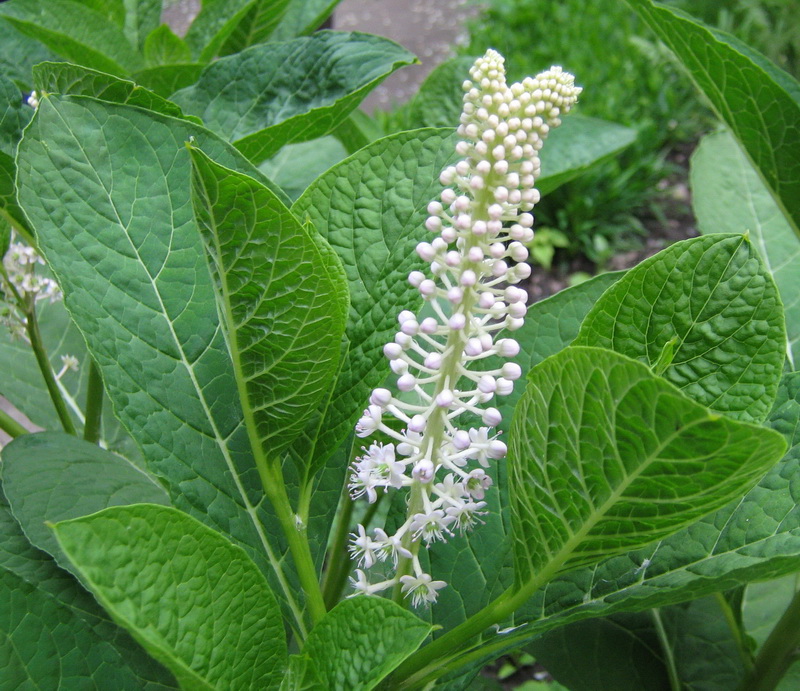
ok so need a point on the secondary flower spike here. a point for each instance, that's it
(482, 224)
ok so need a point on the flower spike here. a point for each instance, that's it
(482, 223)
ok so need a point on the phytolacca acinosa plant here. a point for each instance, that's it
(482, 221)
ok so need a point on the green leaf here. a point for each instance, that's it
(621, 652)
(64, 78)
(753, 538)
(361, 640)
(715, 297)
(439, 100)
(257, 25)
(10, 211)
(19, 53)
(759, 102)
(165, 80)
(577, 145)
(163, 47)
(728, 196)
(765, 603)
(214, 24)
(142, 18)
(53, 634)
(74, 32)
(605, 457)
(478, 567)
(296, 166)
(302, 17)
(704, 647)
(163, 575)
(123, 242)
(112, 10)
(14, 115)
(357, 131)
(283, 302)
(279, 93)
(52, 476)
(371, 208)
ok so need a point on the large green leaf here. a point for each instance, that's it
(578, 144)
(64, 78)
(282, 296)
(704, 313)
(371, 209)
(197, 603)
(759, 102)
(257, 25)
(54, 635)
(75, 32)
(214, 24)
(52, 476)
(606, 457)
(107, 188)
(278, 93)
(753, 538)
(361, 640)
(728, 196)
(302, 17)
(478, 567)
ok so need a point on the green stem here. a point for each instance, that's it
(10, 426)
(337, 554)
(736, 631)
(35, 337)
(342, 564)
(672, 670)
(426, 664)
(94, 404)
(295, 532)
(780, 650)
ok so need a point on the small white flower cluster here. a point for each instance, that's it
(20, 264)
(19, 269)
(483, 224)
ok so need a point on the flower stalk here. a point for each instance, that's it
(482, 223)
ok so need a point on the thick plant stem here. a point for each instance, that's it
(295, 532)
(94, 405)
(780, 650)
(35, 337)
(10, 426)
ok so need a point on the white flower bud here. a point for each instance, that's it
(508, 347)
(381, 397)
(492, 417)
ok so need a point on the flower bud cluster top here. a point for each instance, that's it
(482, 224)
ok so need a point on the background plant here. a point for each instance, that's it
(237, 336)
